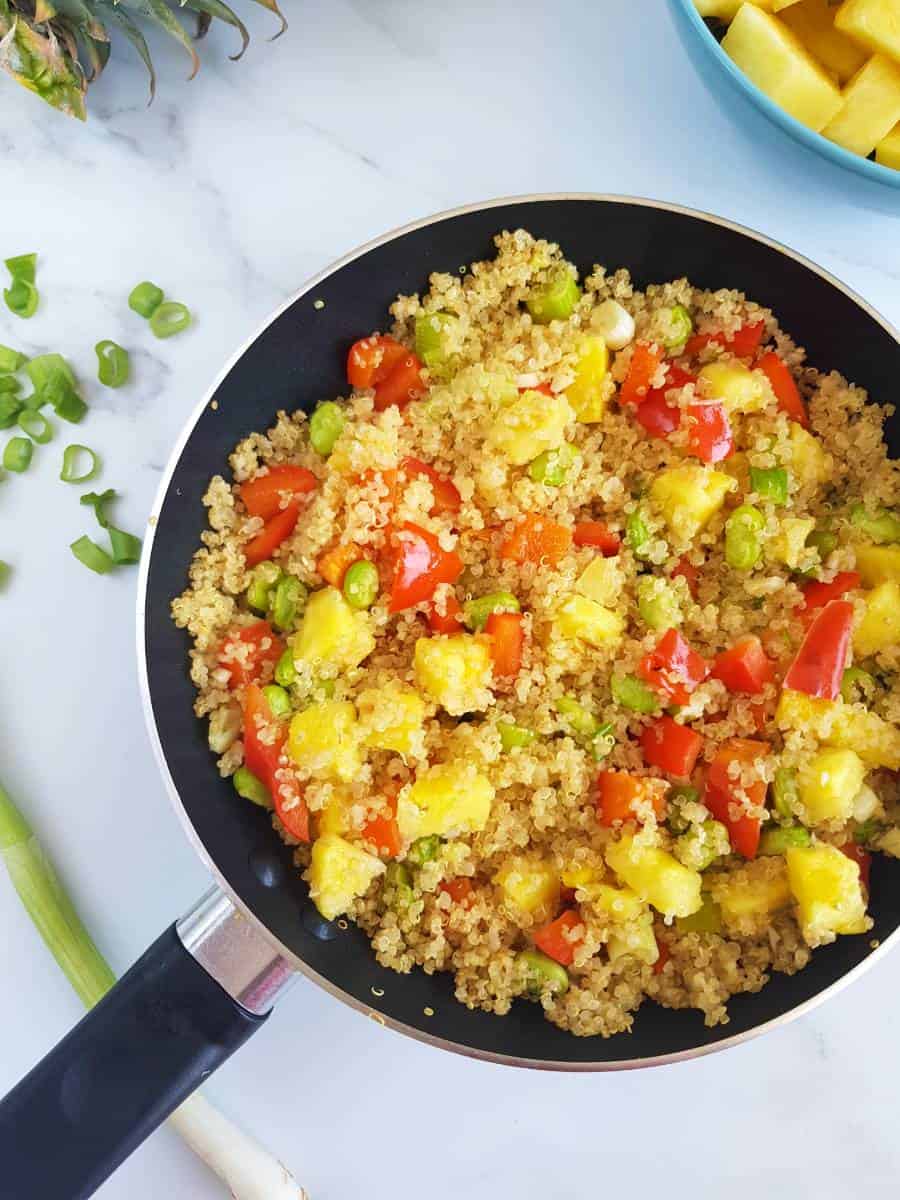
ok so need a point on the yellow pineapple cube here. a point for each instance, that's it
(878, 564)
(788, 546)
(736, 386)
(323, 740)
(846, 726)
(689, 496)
(455, 672)
(887, 152)
(829, 783)
(656, 876)
(600, 581)
(334, 816)
(338, 873)
(580, 874)
(725, 10)
(587, 394)
(873, 23)
(529, 883)
(637, 940)
(879, 628)
(580, 619)
(620, 905)
(748, 895)
(450, 798)
(813, 23)
(332, 633)
(775, 59)
(810, 463)
(871, 107)
(529, 425)
(827, 888)
(392, 718)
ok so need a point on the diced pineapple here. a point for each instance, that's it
(454, 671)
(529, 425)
(587, 394)
(847, 726)
(637, 940)
(813, 23)
(656, 876)
(446, 799)
(689, 496)
(331, 632)
(878, 564)
(600, 581)
(620, 905)
(736, 386)
(724, 10)
(873, 23)
(324, 739)
(334, 816)
(879, 628)
(338, 873)
(748, 895)
(392, 718)
(580, 619)
(829, 783)
(776, 60)
(826, 886)
(887, 152)
(789, 544)
(579, 875)
(778, 5)
(871, 107)
(529, 883)
(810, 463)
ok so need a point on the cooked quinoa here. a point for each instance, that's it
(566, 654)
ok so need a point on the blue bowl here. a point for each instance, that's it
(707, 53)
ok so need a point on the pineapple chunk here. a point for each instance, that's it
(332, 632)
(620, 905)
(778, 5)
(748, 895)
(529, 883)
(789, 544)
(529, 425)
(873, 23)
(324, 740)
(580, 619)
(871, 107)
(810, 464)
(587, 394)
(338, 873)
(656, 876)
(600, 581)
(455, 672)
(887, 152)
(846, 726)
(813, 23)
(447, 799)
(579, 875)
(879, 628)
(829, 783)
(827, 888)
(334, 816)
(878, 564)
(725, 10)
(736, 386)
(776, 60)
(392, 718)
(689, 496)
(637, 940)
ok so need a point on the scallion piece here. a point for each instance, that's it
(36, 425)
(10, 407)
(5, 572)
(17, 455)
(9, 385)
(73, 465)
(54, 383)
(145, 299)
(98, 502)
(21, 298)
(126, 548)
(631, 692)
(170, 318)
(11, 360)
(113, 364)
(71, 408)
(92, 556)
(23, 266)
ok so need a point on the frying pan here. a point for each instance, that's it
(203, 988)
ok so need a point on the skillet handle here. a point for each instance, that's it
(153, 1039)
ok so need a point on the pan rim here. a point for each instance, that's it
(297, 963)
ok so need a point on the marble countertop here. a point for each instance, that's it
(229, 191)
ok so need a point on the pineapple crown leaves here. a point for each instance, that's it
(56, 48)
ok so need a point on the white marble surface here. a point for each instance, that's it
(229, 191)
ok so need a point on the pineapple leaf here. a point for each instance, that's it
(95, 53)
(115, 13)
(204, 20)
(79, 15)
(272, 6)
(215, 8)
(37, 61)
(159, 13)
(44, 11)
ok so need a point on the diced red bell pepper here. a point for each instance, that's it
(382, 831)
(536, 540)
(544, 388)
(729, 800)
(263, 496)
(448, 621)
(786, 392)
(819, 664)
(744, 342)
(334, 564)
(245, 652)
(507, 640)
(552, 940)
(264, 739)
(460, 890)
(744, 667)
(273, 533)
(709, 435)
(664, 955)
(673, 668)
(672, 747)
(446, 496)
(689, 573)
(372, 359)
(420, 564)
(620, 796)
(642, 370)
(861, 857)
(817, 595)
(403, 385)
(658, 417)
(598, 535)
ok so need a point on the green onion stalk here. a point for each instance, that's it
(248, 1170)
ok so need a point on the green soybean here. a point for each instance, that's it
(552, 467)
(477, 611)
(637, 534)
(783, 838)
(423, 850)
(556, 299)
(361, 584)
(247, 785)
(743, 544)
(432, 329)
(542, 974)
(278, 700)
(285, 671)
(263, 579)
(680, 327)
(325, 426)
(287, 602)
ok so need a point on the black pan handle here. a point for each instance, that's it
(108, 1084)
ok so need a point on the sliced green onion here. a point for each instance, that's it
(285, 671)
(145, 299)
(9, 385)
(11, 360)
(21, 298)
(424, 849)
(92, 556)
(678, 796)
(556, 298)
(288, 601)
(278, 700)
(783, 838)
(54, 383)
(602, 742)
(771, 484)
(431, 331)
(113, 364)
(10, 407)
(743, 545)
(881, 526)
(71, 407)
(250, 788)
(512, 736)
(23, 266)
(169, 318)
(5, 572)
(17, 455)
(658, 602)
(325, 427)
(823, 541)
(680, 327)
(36, 425)
(552, 467)
(126, 548)
(857, 685)
(633, 693)
(785, 792)
(637, 534)
(73, 465)
(577, 717)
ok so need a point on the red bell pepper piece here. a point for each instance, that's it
(382, 831)
(861, 857)
(782, 382)
(270, 537)
(372, 359)
(334, 564)
(818, 666)
(460, 890)
(536, 540)
(673, 668)
(598, 535)
(507, 640)
(620, 796)
(817, 595)
(730, 801)
(744, 342)
(420, 564)
(446, 496)
(263, 496)
(448, 621)
(689, 573)
(264, 739)
(672, 747)
(402, 385)
(544, 388)
(245, 652)
(642, 370)
(744, 667)
(709, 435)
(552, 939)
(658, 417)
(664, 955)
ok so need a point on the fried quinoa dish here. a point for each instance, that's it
(564, 648)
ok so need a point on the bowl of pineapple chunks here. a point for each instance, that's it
(826, 71)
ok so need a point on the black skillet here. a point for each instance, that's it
(171, 1020)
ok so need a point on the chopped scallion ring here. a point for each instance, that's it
(23, 266)
(36, 425)
(98, 502)
(170, 318)
(113, 364)
(21, 298)
(126, 548)
(70, 407)
(10, 407)
(5, 572)
(145, 299)
(92, 556)
(11, 360)
(9, 383)
(17, 455)
(73, 465)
